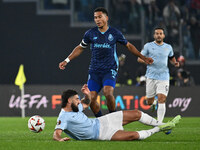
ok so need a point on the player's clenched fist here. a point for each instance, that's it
(62, 65)
(148, 60)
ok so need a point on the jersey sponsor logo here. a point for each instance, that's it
(104, 45)
(110, 37)
(94, 38)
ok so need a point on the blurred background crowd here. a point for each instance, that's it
(49, 29)
(179, 18)
(178, 76)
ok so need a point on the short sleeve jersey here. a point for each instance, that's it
(159, 53)
(103, 48)
(77, 125)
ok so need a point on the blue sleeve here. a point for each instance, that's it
(80, 107)
(61, 123)
(171, 53)
(86, 38)
(145, 50)
(121, 39)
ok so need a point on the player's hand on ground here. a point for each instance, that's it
(64, 139)
(62, 65)
(176, 64)
(148, 60)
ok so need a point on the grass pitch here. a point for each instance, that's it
(14, 135)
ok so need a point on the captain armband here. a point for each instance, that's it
(83, 44)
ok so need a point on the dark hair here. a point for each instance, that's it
(159, 28)
(102, 9)
(66, 95)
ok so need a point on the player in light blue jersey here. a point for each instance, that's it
(157, 73)
(77, 125)
(104, 62)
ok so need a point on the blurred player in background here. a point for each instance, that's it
(104, 62)
(123, 77)
(183, 76)
(157, 73)
(78, 126)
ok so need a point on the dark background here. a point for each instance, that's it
(40, 42)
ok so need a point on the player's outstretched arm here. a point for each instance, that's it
(75, 53)
(87, 99)
(134, 51)
(57, 136)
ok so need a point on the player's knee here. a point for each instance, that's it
(108, 95)
(137, 114)
(161, 100)
(134, 136)
(93, 99)
(149, 102)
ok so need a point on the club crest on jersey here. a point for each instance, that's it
(110, 37)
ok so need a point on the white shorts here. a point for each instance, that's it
(110, 124)
(154, 87)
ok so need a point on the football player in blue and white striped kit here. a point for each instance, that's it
(104, 62)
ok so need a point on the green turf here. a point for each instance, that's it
(14, 135)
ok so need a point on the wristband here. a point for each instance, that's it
(67, 60)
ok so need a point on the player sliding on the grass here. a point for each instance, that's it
(77, 125)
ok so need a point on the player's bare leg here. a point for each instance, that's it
(153, 103)
(161, 98)
(125, 136)
(150, 100)
(108, 93)
(130, 116)
(136, 135)
(136, 115)
(94, 104)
